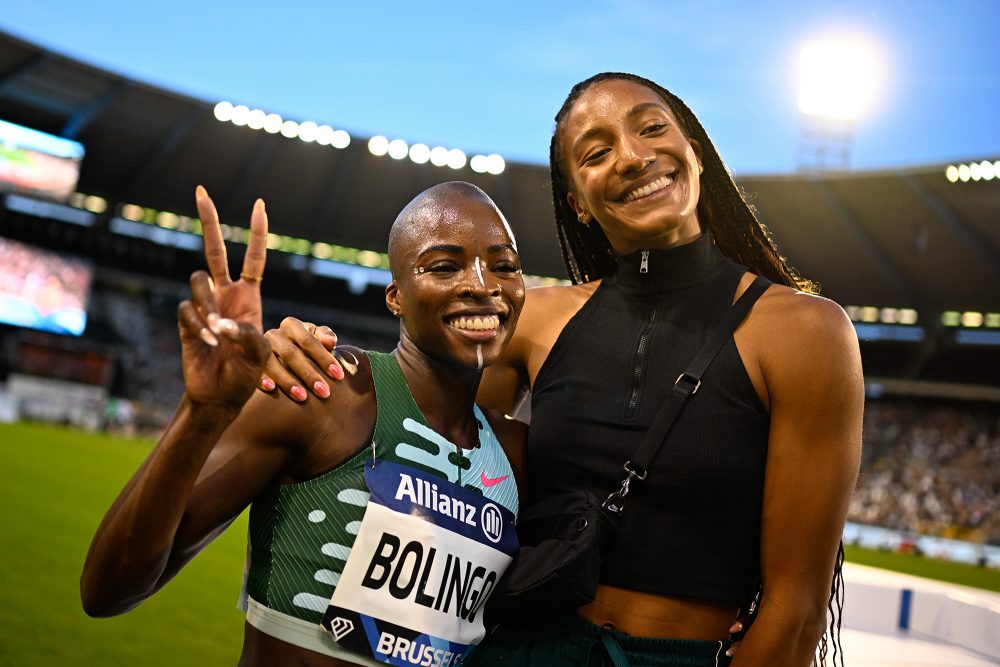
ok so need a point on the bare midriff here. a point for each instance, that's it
(647, 615)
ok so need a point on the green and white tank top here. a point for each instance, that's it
(300, 535)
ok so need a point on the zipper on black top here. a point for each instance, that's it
(640, 361)
(644, 262)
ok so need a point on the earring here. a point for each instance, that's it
(584, 219)
(701, 169)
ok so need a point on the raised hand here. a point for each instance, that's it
(223, 347)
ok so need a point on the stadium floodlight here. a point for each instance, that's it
(456, 158)
(479, 164)
(307, 131)
(95, 204)
(241, 114)
(272, 123)
(951, 173)
(255, 119)
(975, 171)
(289, 129)
(439, 156)
(340, 139)
(988, 170)
(838, 77)
(964, 173)
(951, 318)
(223, 112)
(972, 319)
(378, 146)
(495, 164)
(420, 153)
(907, 316)
(324, 135)
(398, 149)
(869, 314)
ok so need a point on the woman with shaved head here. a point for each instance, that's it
(358, 505)
(747, 497)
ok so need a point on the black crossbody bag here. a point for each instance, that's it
(566, 538)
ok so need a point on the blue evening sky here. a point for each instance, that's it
(488, 77)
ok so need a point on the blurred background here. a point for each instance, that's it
(865, 134)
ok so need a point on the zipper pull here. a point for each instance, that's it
(644, 264)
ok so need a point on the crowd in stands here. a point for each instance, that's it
(931, 467)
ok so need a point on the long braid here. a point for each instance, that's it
(722, 208)
(725, 212)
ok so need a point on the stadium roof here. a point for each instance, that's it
(909, 238)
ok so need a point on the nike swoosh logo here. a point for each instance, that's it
(488, 481)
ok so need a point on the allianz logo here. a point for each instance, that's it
(426, 494)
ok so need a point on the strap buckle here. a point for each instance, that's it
(616, 501)
(690, 379)
(634, 471)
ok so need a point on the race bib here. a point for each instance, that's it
(426, 558)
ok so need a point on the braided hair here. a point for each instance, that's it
(722, 208)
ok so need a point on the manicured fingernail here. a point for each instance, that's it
(729, 653)
(213, 323)
(208, 337)
(298, 393)
(336, 371)
(200, 191)
(736, 627)
(267, 383)
(321, 389)
(226, 324)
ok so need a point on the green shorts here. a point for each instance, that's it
(566, 640)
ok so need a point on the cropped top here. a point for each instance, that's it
(300, 535)
(692, 527)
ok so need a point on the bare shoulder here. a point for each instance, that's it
(803, 340)
(812, 318)
(560, 297)
(319, 434)
(549, 308)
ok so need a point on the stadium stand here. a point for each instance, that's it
(912, 255)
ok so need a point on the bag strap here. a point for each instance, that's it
(686, 385)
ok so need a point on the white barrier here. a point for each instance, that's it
(888, 603)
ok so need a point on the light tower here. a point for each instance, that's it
(838, 78)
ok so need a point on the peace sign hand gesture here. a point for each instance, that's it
(223, 349)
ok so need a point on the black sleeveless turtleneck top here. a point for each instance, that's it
(692, 527)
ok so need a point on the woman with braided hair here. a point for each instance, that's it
(747, 497)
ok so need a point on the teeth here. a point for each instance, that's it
(477, 323)
(647, 190)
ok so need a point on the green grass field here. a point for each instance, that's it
(57, 484)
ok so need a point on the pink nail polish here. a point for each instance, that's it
(298, 393)
(267, 383)
(336, 371)
(321, 389)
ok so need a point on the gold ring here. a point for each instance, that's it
(252, 279)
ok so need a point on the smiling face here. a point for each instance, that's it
(631, 167)
(458, 288)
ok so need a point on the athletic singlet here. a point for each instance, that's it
(300, 535)
(692, 528)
